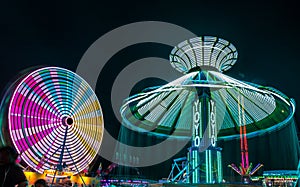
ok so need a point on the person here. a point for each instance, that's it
(11, 174)
(40, 183)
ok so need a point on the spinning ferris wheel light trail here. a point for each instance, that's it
(55, 120)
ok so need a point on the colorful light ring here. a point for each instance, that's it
(47, 104)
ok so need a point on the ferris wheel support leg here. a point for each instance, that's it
(60, 164)
(55, 168)
(53, 177)
(53, 153)
(75, 166)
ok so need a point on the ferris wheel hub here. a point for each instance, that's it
(69, 121)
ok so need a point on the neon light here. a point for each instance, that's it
(206, 167)
(245, 169)
(220, 169)
(195, 176)
(213, 126)
(196, 119)
(44, 104)
(209, 166)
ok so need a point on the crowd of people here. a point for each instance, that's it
(12, 175)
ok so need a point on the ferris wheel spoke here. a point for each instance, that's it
(82, 138)
(91, 142)
(75, 87)
(37, 92)
(26, 138)
(33, 117)
(22, 101)
(88, 115)
(93, 106)
(85, 95)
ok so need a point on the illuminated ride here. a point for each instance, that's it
(206, 105)
(54, 121)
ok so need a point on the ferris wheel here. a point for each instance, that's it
(55, 120)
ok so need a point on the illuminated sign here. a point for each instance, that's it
(213, 126)
(197, 128)
(58, 174)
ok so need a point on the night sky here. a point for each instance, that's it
(57, 33)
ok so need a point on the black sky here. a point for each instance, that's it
(266, 34)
